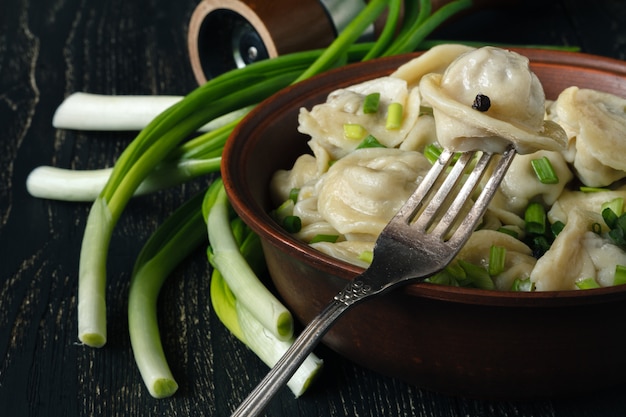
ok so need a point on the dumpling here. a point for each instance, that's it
(324, 123)
(520, 185)
(487, 99)
(595, 123)
(361, 192)
(435, 60)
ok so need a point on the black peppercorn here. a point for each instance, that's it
(481, 103)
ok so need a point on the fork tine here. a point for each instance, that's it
(436, 204)
(467, 225)
(415, 201)
(463, 195)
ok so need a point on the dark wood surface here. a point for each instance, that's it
(53, 48)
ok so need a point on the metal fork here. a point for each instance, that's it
(421, 240)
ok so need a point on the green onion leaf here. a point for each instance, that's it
(587, 284)
(616, 205)
(370, 142)
(370, 103)
(292, 224)
(478, 275)
(432, 152)
(497, 258)
(557, 227)
(293, 194)
(535, 218)
(523, 285)
(354, 131)
(395, 113)
(544, 170)
(324, 238)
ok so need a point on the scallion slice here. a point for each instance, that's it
(616, 205)
(395, 113)
(370, 103)
(370, 142)
(354, 131)
(544, 170)
(293, 194)
(324, 238)
(587, 284)
(535, 218)
(497, 258)
(478, 275)
(367, 256)
(432, 152)
(292, 224)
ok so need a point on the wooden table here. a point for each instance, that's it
(53, 48)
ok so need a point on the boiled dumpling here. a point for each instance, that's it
(595, 123)
(361, 192)
(487, 99)
(324, 123)
(435, 60)
(520, 185)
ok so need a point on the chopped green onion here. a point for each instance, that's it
(293, 194)
(620, 275)
(544, 170)
(497, 258)
(478, 275)
(616, 205)
(535, 218)
(292, 224)
(587, 284)
(509, 231)
(370, 103)
(523, 285)
(394, 116)
(367, 256)
(586, 189)
(557, 227)
(324, 238)
(370, 142)
(284, 210)
(354, 131)
(432, 152)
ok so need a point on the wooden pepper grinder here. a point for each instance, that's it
(227, 34)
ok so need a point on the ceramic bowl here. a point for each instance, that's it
(465, 342)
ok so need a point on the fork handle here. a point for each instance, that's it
(289, 363)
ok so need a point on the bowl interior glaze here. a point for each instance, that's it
(460, 341)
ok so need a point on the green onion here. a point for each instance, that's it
(366, 256)
(616, 205)
(478, 275)
(370, 103)
(354, 131)
(620, 275)
(432, 152)
(244, 325)
(293, 194)
(497, 258)
(324, 238)
(292, 224)
(587, 284)
(394, 116)
(173, 241)
(586, 189)
(544, 171)
(557, 227)
(241, 279)
(370, 142)
(535, 219)
(523, 285)
(508, 231)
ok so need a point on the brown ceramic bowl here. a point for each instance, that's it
(465, 342)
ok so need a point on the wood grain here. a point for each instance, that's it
(51, 49)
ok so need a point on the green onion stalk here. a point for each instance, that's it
(161, 142)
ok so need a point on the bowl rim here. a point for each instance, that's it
(262, 223)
